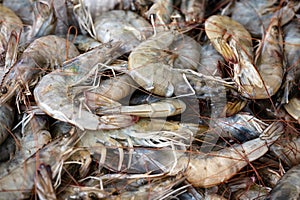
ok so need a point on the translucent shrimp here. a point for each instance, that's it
(64, 86)
(152, 63)
(43, 54)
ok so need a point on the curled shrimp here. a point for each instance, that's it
(152, 63)
(43, 54)
(64, 86)
(233, 41)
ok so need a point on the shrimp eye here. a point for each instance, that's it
(275, 29)
(92, 195)
(3, 90)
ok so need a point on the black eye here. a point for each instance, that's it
(4, 90)
(92, 196)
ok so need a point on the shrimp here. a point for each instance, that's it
(10, 23)
(18, 182)
(43, 54)
(258, 82)
(163, 108)
(35, 137)
(65, 88)
(216, 167)
(152, 63)
(288, 187)
(122, 26)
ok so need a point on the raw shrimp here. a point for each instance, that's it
(64, 86)
(10, 23)
(151, 63)
(18, 182)
(43, 54)
(35, 137)
(288, 186)
(257, 83)
(216, 167)
(122, 26)
(163, 108)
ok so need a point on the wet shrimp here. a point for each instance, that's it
(258, 82)
(41, 55)
(152, 64)
(293, 107)
(216, 167)
(18, 182)
(64, 86)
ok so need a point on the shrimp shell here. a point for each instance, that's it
(122, 26)
(43, 54)
(217, 167)
(151, 63)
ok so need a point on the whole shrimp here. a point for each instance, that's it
(41, 55)
(152, 63)
(18, 182)
(64, 86)
(233, 41)
(216, 167)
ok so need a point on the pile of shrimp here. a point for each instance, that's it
(144, 99)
